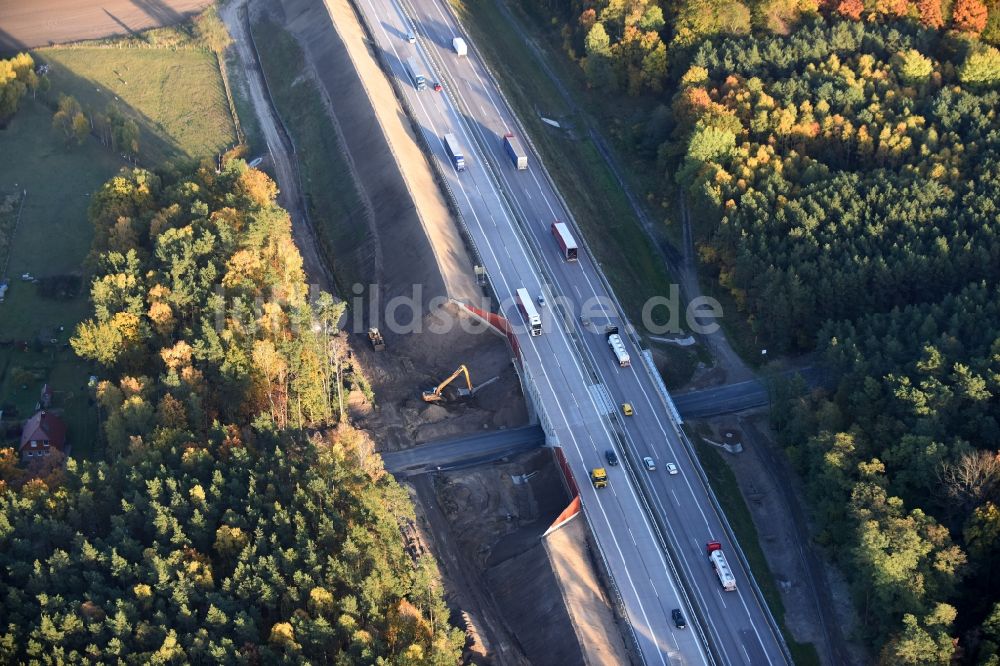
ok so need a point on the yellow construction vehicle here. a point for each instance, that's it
(437, 394)
(599, 477)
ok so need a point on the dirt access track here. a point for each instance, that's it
(28, 24)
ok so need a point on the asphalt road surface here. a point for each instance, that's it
(736, 397)
(576, 412)
(26, 24)
(570, 371)
(485, 447)
(463, 451)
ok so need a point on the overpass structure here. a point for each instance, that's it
(650, 528)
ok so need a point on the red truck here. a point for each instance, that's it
(565, 239)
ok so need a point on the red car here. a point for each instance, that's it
(437, 87)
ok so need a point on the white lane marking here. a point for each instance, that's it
(639, 384)
(502, 277)
(665, 571)
(576, 361)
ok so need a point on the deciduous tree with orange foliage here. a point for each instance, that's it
(850, 9)
(969, 16)
(930, 13)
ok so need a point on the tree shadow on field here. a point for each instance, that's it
(161, 12)
(124, 26)
(9, 44)
(155, 145)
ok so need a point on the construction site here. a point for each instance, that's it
(513, 550)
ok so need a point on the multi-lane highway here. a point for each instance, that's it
(570, 373)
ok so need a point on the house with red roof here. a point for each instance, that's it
(42, 433)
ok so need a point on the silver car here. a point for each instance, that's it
(649, 463)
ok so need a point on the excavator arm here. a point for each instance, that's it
(435, 394)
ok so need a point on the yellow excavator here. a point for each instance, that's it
(436, 394)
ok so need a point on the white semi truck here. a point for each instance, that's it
(618, 346)
(454, 152)
(528, 311)
(566, 241)
(721, 566)
(416, 74)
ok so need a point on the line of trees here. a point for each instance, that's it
(113, 127)
(17, 78)
(625, 45)
(218, 530)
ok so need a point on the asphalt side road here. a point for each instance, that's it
(35, 23)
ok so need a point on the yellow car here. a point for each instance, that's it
(627, 409)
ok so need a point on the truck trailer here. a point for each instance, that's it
(460, 46)
(618, 346)
(454, 152)
(515, 151)
(565, 239)
(416, 74)
(721, 566)
(528, 311)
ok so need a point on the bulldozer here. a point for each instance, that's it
(375, 337)
(436, 394)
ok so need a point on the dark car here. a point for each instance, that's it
(678, 618)
(612, 458)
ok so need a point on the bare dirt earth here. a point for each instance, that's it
(418, 241)
(26, 24)
(569, 551)
(415, 251)
(415, 363)
(522, 588)
(499, 578)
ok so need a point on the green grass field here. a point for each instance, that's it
(54, 234)
(597, 201)
(53, 238)
(330, 194)
(176, 96)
